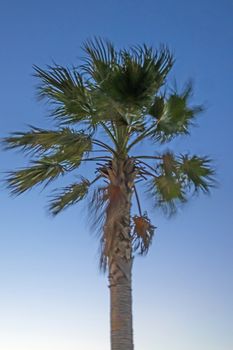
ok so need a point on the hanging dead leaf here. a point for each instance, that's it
(143, 233)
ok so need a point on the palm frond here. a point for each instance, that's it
(68, 196)
(107, 110)
(42, 171)
(101, 59)
(178, 177)
(168, 164)
(198, 172)
(173, 114)
(67, 92)
(167, 192)
(139, 75)
(62, 145)
(125, 79)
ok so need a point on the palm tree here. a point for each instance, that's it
(103, 110)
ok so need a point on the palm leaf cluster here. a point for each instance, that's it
(102, 109)
(177, 177)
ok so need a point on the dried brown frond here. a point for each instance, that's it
(143, 232)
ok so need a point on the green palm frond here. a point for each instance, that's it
(101, 59)
(41, 140)
(198, 172)
(61, 145)
(173, 114)
(42, 171)
(144, 72)
(138, 78)
(129, 78)
(166, 188)
(68, 196)
(67, 92)
(168, 164)
(107, 110)
(175, 178)
(167, 192)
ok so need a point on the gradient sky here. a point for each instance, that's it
(52, 295)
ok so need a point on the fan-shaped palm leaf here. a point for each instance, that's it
(198, 172)
(24, 179)
(67, 92)
(173, 114)
(68, 196)
(40, 140)
(101, 59)
(168, 192)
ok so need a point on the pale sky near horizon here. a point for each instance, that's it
(52, 295)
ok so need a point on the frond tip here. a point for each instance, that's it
(70, 195)
(44, 171)
(39, 141)
(197, 172)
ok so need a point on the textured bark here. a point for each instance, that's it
(121, 306)
(118, 249)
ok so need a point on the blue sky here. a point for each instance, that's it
(52, 295)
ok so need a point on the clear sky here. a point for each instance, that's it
(52, 295)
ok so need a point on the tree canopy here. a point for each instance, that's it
(102, 110)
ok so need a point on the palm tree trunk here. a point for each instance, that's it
(118, 249)
(121, 305)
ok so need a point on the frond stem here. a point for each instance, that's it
(113, 128)
(103, 145)
(146, 133)
(146, 172)
(109, 133)
(148, 157)
(149, 166)
(96, 179)
(138, 201)
(105, 159)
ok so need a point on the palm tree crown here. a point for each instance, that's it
(123, 94)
